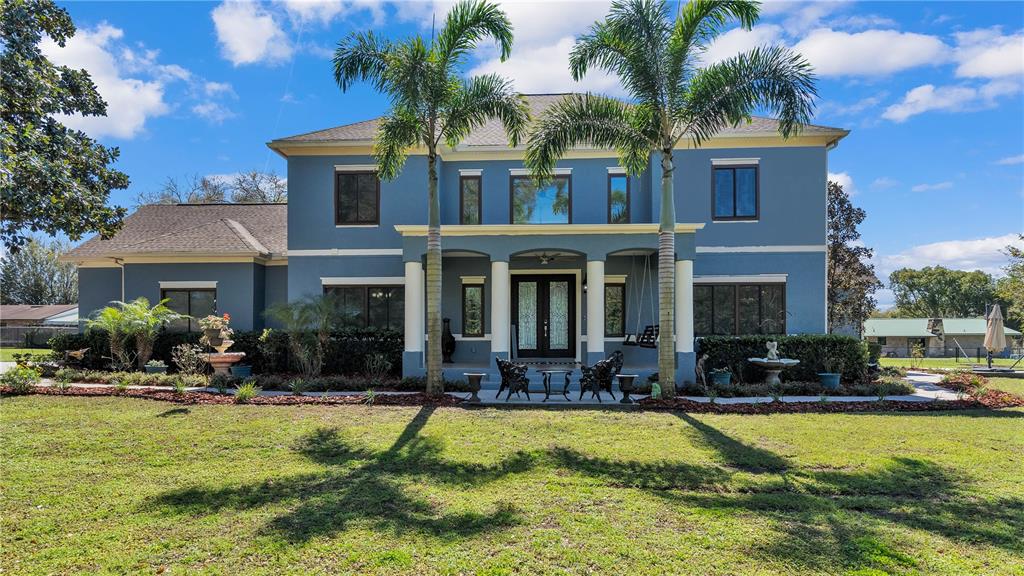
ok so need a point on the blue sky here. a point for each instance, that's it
(932, 91)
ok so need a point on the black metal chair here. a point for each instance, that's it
(513, 377)
(600, 376)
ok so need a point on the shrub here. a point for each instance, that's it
(221, 382)
(187, 359)
(811, 349)
(20, 379)
(246, 392)
(298, 386)
(179, 386)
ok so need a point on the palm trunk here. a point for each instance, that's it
(667, 280)
(435, 382)
(144, 348)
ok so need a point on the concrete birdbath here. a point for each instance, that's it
(772, 364)
(221, 360)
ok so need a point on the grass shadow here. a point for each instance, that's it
(174, 412)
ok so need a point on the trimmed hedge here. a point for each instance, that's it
(811, 350)
(346, 353)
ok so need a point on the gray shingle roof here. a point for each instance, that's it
(229, 229)
(493, 134)
(23, 312)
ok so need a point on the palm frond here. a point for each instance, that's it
(482, 98)
(408, 74)
(469, 22)
(399, 131)
(774, 78)
(361, 57)
(592, 120)
(699, 22)
(628, 44)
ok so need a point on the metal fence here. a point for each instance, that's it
(32, 336)
(972, 354)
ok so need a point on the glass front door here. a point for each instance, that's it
(544, 313)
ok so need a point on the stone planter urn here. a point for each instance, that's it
(447, 341)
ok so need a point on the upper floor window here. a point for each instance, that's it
(618, 199)
(195, 303)
(470, 207)
(356, 198)
(735, 192)
(548, 203)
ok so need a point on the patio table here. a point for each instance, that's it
(547, 373)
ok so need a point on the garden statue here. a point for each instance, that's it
(772, 364)
(447, 342)
(701, 374)
(773, 350)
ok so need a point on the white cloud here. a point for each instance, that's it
(869, 53)
(739, 40)
(959, 98)
(218, 89)
(853, 109)
(325, 11)
(1011, 160)
(987, 53)
(213, 112)
(844, 180)
(858, 21)
(248, 34)
(545, 33)
(800, 16)
(928, 187)
(131, 101)
(884, 183)
(980, 254)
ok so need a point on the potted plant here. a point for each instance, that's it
(831, 371)
(721, 376)
(156, 367)
(215, 329)
(241, 371)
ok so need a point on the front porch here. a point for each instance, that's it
(547, 294)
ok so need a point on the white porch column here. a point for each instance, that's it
(500, 306)
(595, 309)
(684, 305)
(414, 301)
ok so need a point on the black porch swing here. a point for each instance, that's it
(649, 337)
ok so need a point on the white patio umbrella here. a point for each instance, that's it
(995, 335)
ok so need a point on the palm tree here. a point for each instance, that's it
(132, 320)
(657, 59)
(431, 105)
(308, 322)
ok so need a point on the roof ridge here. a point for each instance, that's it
(245, 236)
(375, 118)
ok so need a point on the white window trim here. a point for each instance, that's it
(188, 284)
(744, 221)
(742, 279)
(348, 252)
(474, 280)
(526, 172)
(470, 171)
(363, 281)
(616, 170)
(615, 278)
(735, 161)
(356, 168)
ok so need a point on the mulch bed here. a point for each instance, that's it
(414, 399)
(992, 399)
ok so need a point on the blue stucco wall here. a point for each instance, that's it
(236, 286)
(305, 272)
(97, 287)
(275, 290)
(792, 184)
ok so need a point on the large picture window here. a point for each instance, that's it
(193, 302)
(739, 309)
(548, 203)
(472, 309)
(356, 198)
(370, 306)
(618, 199)
(470, 207)
(735, 191)
(614, 309)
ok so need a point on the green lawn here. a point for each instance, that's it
(112, 485)
(1012, 385)
(7, 354)
(945, 362)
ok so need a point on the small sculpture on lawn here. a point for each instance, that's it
(773, 350)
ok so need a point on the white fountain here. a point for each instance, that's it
(773, 364)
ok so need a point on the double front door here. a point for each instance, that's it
(544, 314)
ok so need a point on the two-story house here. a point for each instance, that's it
(566, 270)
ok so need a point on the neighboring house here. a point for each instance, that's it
(942, 337)
(564, 270)
(34, 324)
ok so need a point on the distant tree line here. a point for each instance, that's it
(252, 187)
(32, 275)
